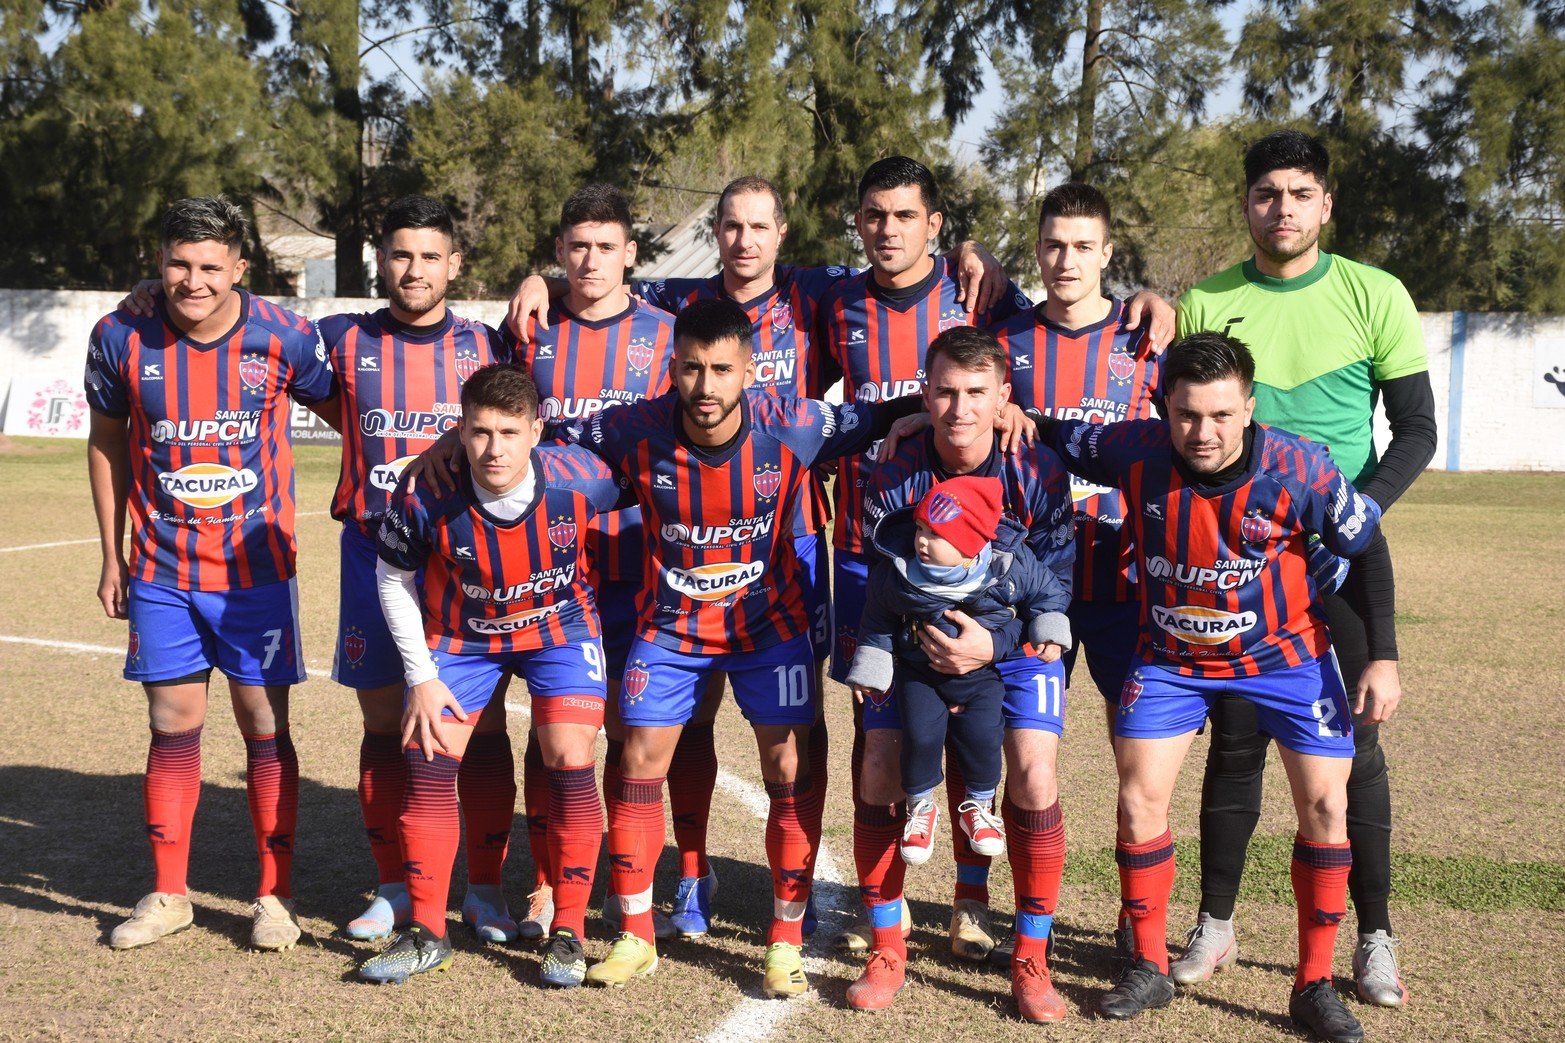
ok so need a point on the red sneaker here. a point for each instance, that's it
(882, 979)
(918, 836)
(1036, 999)
(985, 831)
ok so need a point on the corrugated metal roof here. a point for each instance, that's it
(685, 249)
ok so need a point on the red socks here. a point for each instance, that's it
(575, 833)
(272, 788)
(383, 778)
(1146, 880)
(171, 791)
(430, 825)
(1320, 890)
(876, 830)
(635, 842)
(1037, 844)
(692, 775)
(486, 786)
(790, 852)
(536, 798)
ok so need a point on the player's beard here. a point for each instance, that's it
(1300, 247)
(707, 421)
(423, 306)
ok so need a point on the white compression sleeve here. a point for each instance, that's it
(404, 618)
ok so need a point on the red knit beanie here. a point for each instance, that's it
(964, 511)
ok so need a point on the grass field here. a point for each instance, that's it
(1476, 754)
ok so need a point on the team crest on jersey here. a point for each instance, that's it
(562, 533)
(639, 352)
(636, 678)
(1122, 365)
(768, 480)
(1255, 529)
(847, 644)
(1130, 693)
(782, 316)
(133, 647)
(252, 370)
(950, 320)
(466, 364)
(353, 645)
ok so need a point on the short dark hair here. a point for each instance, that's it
(969, 348)
(745, 185)
(1205, 358)
(1075, 199)
(897, 171)
(505, 386)
(711, 320)
(1286, 150)
(201, 219)
(417, 212)
(596, 204)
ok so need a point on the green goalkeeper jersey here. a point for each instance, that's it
(1323, 343)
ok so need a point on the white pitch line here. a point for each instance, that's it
(45, 546)
(64, 646)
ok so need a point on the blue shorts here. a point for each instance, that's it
(617, 610)
(849, 583)
(811, 549)
(1034, 698)
(568, 677)
(365, 657)
(1110, 630)
(250, 634)
(1305, 707)
(774, 685)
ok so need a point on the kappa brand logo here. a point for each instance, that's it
(1129, 693)
(1199, 625)
(375, 835)
(717, 580)
(782, 316)
(369, 364)
(497, 838)
(1122, 365)
(1329, 919)
(545, 351)
(639, 352)
(1036, 906)
(792, 875)
(207, 485)
(857, 336)
(353, 645)
(619, 861)
(413, 868)
(253, 370)
(463, 553)
(280, 842)
(576, 874)
(1255, 528)
(635, 681)
(662, 481)
(466, 364)
(1153, 511)
(384, 476)
(562, 533)
(152, 371)
(155, 831)
(767, 481)
(1021, 362)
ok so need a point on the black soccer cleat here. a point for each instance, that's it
(1140, 986)
(1317, 1008)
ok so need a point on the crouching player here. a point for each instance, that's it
(1222, 510)
(505, 590)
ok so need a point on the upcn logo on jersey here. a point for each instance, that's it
(717, 580)
(226, 426)
(384, 476)
(410, 423)
(1220, 575)
(1199, 625)
(545, 582)
(207, 485)
(767, 481)
(734, 530)
(886, 390)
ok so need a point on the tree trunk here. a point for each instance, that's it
(1087, 99)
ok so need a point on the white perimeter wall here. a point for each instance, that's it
(1499, 380)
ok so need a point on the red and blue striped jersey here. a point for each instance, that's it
(492, 585)
(401, 390)
(783, 318)
(1102, 374)
(211, 496)
(1226, 588)
(584, 366)
(879, 345)
(718, 578)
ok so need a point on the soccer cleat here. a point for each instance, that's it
(540, 915)
(273, 927)
(1210, 946)
(1375, 970)
(1317, 1008)
(693, 904)
(564, 960)
(985, 831)
(972, 937)
(858, 937)
(629, 957)
(662, 926)
(411, 952)
(1124, 948)
(918, 836)
(1140, 986)
(485, 911)
(883, 977)
(784, 972)
(1036, 1000)
(155, 917)
(391, 909)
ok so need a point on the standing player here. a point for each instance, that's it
(1223, 510)
(1331, 337)
(190, 436)
(717, 466)
(504, 590)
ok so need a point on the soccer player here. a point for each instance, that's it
(965, 391)
(717, 466)
(1223, 509)
(189, 436)
(504, 590)
(1331, 337)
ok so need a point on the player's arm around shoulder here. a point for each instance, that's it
(574, 468)
(1346, 519)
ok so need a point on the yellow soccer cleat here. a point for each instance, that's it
(784, 972)
(629, 957)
